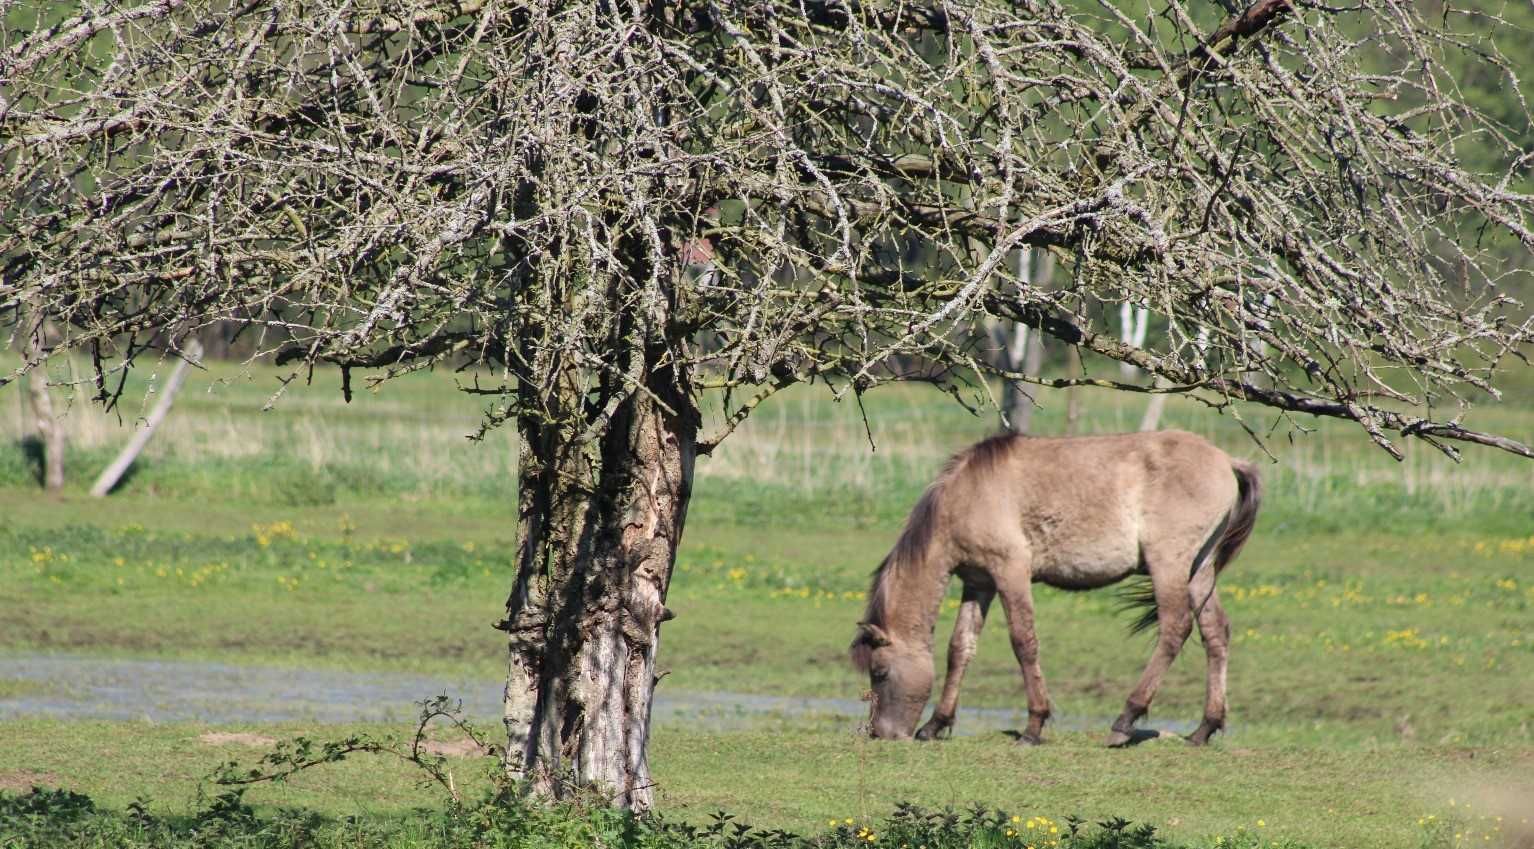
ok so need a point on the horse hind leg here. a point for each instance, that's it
(1174, 622)
(961, 649)
(1214, 627)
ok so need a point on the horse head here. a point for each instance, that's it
(900, 680)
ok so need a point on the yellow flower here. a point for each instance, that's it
(1261, 824)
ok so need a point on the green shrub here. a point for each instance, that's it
(44, 819)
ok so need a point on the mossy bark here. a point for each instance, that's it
(599, 524)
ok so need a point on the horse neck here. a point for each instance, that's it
(915, 596)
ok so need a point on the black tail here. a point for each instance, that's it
(1240, 520)
(1225, 542)
(1139, 596)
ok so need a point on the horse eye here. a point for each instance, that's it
(879, 674)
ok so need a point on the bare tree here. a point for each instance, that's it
(391, 186)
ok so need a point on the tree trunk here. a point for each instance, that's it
(599, 524)
(1153, 408)
(1134, 322)
(114, 471)
(1073, 393)
(50, 431)
(1018, 398)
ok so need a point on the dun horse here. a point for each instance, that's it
(1075, 513)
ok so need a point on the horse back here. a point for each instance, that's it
(1083, 512)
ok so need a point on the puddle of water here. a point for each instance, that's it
(77, 687)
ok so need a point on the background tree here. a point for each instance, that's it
(32, 338)
(527, 189)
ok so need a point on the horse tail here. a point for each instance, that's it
(1224, 543)
(909, 551)
(1242, 517)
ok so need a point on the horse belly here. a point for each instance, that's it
(1087, 564)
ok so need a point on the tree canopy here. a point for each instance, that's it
(393, 184)
(617, 207)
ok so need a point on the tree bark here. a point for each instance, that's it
(1153, 409)
(599, 525)
(1017, 399)
(50, 431)
(1023, 347)
(114, 472)
(1073, 393)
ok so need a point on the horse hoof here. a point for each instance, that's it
(1201, 734)
(935, 729)
(1030, 740)
(1119, 739)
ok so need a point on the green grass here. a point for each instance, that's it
(817, 775)
(1381, 660)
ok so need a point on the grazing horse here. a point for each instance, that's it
(1075, 513)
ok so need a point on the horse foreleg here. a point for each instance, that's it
(1018, 602)
(1174, 622)
(1214, 627)
(961, 649)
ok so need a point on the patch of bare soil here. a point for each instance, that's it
(19, 780)
(236, 738)
(464, 748)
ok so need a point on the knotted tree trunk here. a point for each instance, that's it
(600, 520)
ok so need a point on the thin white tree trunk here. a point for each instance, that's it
(1015, 343)
(1073, 393)
(1152, 418)
(50, 431)
(113, 473)
(1134, 323)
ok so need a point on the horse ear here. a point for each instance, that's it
(874, 635)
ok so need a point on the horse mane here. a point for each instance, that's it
(915, 539)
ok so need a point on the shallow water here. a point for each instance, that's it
(80, 687)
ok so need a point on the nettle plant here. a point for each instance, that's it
(612, 215)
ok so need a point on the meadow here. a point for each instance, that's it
(1381, 674)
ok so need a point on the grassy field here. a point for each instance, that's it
(1383, 661)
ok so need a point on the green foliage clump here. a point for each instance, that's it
(61, 818)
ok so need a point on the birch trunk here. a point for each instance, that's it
(50, 431)
(114, 472)
(598, 529)
(1153, 409)
(1018, 398)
